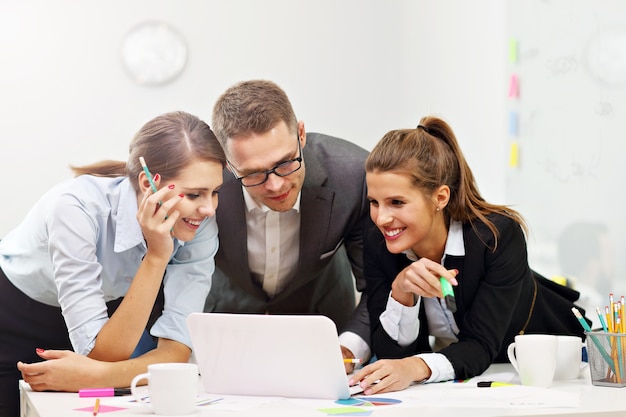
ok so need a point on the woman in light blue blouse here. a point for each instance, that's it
(79, 277)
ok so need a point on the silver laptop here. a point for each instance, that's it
(269, 355)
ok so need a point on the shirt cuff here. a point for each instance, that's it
(440, 367)
(401, 322)
(84, 338)
(359, 348)
(172, 326)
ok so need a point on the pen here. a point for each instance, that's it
(150, 180)
(581, 319)
(208, 401)
(448, 294)
(611, 312)
(103, 392)
(594, 339)
(346, 360)
(148, 174)
(96, 407)
(602, 322)
(623, 312)
(487, 384)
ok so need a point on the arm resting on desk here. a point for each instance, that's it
(68, 371)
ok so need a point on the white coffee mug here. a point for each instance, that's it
(534, 358)
(172, 387)
(569, 357)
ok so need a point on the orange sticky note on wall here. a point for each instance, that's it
(514, 155)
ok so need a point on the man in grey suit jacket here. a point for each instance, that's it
(290, 243)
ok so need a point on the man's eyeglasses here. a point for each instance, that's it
(282, 170)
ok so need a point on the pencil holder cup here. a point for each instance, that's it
(607, 358)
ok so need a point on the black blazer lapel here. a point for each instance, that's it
(316, 204)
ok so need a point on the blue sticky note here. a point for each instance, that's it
(513, 123)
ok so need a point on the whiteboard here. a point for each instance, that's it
(569, 57)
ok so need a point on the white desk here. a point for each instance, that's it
(433, 400)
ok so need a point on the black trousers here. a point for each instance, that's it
(25, 325)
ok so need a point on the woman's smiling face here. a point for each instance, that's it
(199, 182)
(403, 214)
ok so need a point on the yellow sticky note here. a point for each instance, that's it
(514, 155)
(561, 280)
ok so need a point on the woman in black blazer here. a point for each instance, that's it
(430, 223)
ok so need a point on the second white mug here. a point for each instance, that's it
(569, 357)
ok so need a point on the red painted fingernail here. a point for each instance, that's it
(171, 186)
(181, 195)
(456, 271)
(157, 177)
(40, 350)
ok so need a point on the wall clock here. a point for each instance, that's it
(154, 53)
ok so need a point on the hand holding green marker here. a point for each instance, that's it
(150, 180)
(448, 294)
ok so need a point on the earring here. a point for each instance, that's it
(437, 208)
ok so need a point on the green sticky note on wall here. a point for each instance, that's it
(513, 51)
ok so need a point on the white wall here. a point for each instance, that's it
(352, 68)
(572, 106)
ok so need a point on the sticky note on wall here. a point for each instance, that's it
(513, 123)
(514, 87)
(513, 51)
(514, 155)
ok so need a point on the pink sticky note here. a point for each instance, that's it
(514, 87)
(103, 409)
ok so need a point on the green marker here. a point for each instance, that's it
(448, 294)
